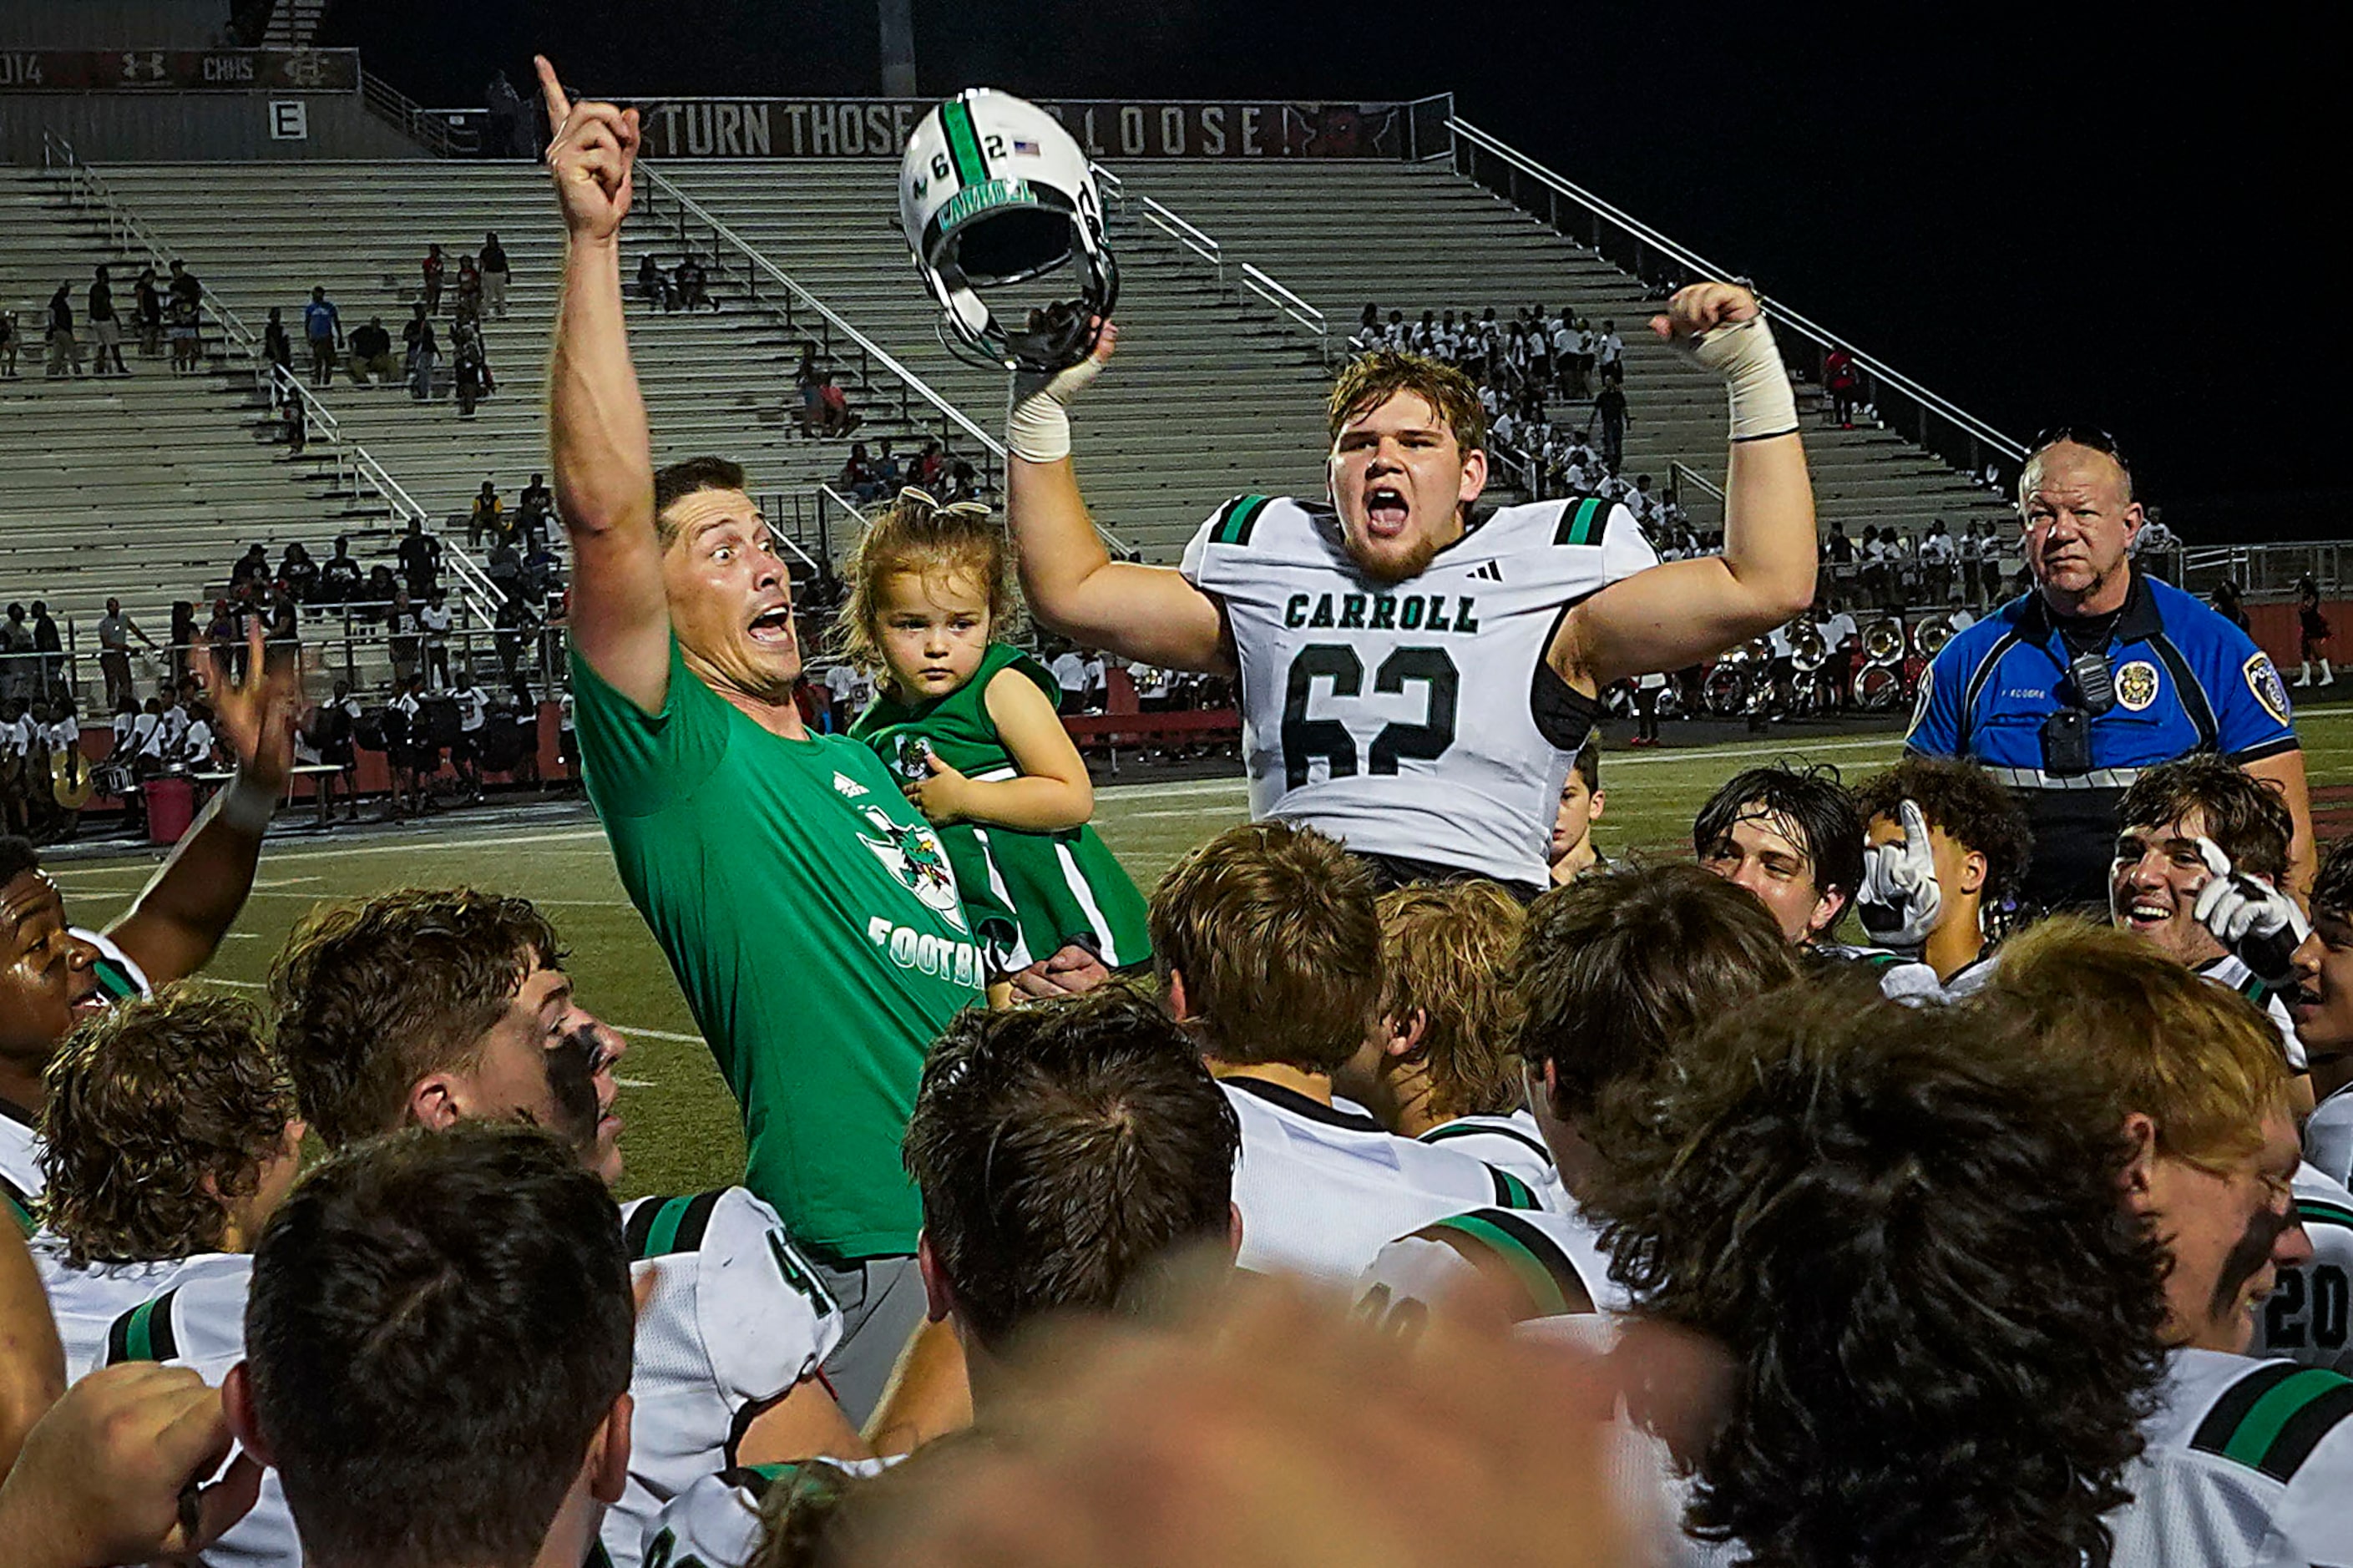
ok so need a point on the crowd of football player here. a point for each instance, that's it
(1978, 1251)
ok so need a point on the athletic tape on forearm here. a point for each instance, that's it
(1038, 428)
(247, 806)
(1744, 354)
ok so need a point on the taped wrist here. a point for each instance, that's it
(1038, 427)
(1744, 354)
(247, 806)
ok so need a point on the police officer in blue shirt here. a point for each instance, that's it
(2068, 691)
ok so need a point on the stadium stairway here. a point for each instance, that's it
(1203, 401)
(1433, 241)
(143, 486)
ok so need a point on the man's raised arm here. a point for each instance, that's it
(1148, 613)
(1681, 611)
(597, 441)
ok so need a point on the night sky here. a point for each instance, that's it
(2080, 219)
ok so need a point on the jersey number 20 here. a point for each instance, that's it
(1305, 739)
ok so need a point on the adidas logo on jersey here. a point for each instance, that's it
(1381, 612)
(850, 788)
(1491, 572)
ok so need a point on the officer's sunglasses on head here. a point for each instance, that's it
(2091, 436)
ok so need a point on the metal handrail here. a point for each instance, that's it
(1289, 304)
(1682, 474)
(1977, 430)
(1185, 235)
(755, 263)
(413, 119)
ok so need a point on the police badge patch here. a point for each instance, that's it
(2270, 691)
(2137, 685)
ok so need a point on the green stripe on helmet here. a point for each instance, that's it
(964, 143)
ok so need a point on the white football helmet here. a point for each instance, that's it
(993, 191)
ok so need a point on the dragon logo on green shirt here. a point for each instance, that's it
(914, 856)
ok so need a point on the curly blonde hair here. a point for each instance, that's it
(937, 543)
(1449, 953)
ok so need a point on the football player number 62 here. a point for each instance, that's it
(1305, 739)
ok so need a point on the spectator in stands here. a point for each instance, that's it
(693, 286)
(17, 660)
(834, 404)
(400, 628)
(423, 350)
(494, 274)
(223, 635)
(9, 334)
(435, 269)
(926, 470)
(274, 347)
(115, 631)
(65, 348)
(1937, 554)
(2155, 537)
(2312, 634)
(372, 358)
(1610, 414)
(184, 330)
(857, 477)
(149, 305)
(185, 284)
(298, 574)
(420, 559)
(435, 621)
(48, 649)
(322, 324)
(184, 637)
(2226, 603)
(1610, 355)
(469, 289)
(653, 287)
(339, 579)
(486, 520)
(104, 327)
(504, 566)
(253, 566)
(381, 588)
(1843, 381)
(470, 363)
(534, 509)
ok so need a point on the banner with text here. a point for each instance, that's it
(179, 70)
(872, 128)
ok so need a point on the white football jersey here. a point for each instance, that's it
(2304, 1319)
(94, 1304)
(1321, 1190)
(1556, 1258)
(737, 1320)
(197, 1321)
(2248, 1462)
(20, 1165)
(1401, 718)
(2327, 1136)
(2228, 971)
(1514, 1144)
(716, 1522)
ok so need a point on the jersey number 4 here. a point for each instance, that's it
(1305, 739)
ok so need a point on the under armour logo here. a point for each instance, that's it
(1493, 571)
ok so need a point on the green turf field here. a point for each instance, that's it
(683, 1133)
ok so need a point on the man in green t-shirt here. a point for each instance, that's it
(808, 911)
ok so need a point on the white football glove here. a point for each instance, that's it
(1900, 901)
(1038, 414)
(2255, 921)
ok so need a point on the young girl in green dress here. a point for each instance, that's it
(970, 727)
